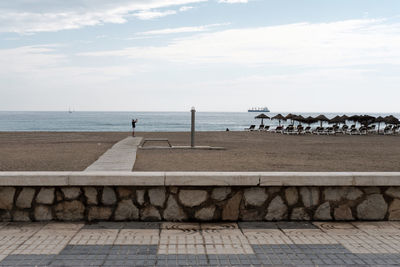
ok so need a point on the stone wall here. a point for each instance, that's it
(199, 203)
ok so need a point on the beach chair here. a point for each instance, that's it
(251, 128)
(319, 130)
(289, 129)
(351, 130)
(344, 129)
(372, 129)
(337, 129)
(395, 129)
(329, 131)
(308, 130)
(266, 128)
(261, 128)
(300, 129)
(388, 130)
(363, 130)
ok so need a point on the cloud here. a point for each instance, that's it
(149, 14)
(183, 29)
(185, 8)
(25, 16)
(233, 1)
(342, 43)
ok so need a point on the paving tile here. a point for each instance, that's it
(183, 226)
(180, 237)
(266, 236)
(181, 249)
(138, 237)
(257, 225)
(95, 237)
(104, 225)
(51, 239)
(142, 225)
(218, 226)
(295, 225)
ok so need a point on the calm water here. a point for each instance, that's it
(148, 121)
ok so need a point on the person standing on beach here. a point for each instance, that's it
(133, 126)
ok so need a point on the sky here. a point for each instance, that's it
(216, 55)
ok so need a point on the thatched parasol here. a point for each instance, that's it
(366, 120)
(310, 120)
(279, 117)
(321, 118)
(262, 116)
(354, 118)
(391, 120)
(290, 117)
(379, 120)
(299, 118)
(337, 119)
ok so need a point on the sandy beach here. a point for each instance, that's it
(260, 151)
(50, 151)
(245, 151)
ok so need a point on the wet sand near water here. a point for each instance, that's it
(261, 151)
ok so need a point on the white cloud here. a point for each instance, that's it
(185, 8)
(25, 16)
(150, 14)
(343, 43)
(201, 28)
(233, 1)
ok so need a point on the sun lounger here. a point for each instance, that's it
(251, 128)
(395, 129)
(319, 130)
(261, 128)
(290, 130)
(266, 128)
(329, 131)
(363, 130)
(372, 129)
(388, 130)
(344, 129)
(300, 129)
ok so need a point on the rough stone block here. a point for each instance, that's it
(220, 193)
(150, 213)
(7, 197)
(323, 212)
(157, 196)
(192, 198)
(343, 213)
(373, 207)
(255, 196)
(140, 196)
(45, 195)
(126, 210)
(291, 195)
(205, 214)
(394, 210)
(173, 212)
(91, 195)
(334, 193)
(309, 196)
(230, 211)
(371, 190)
(70, 211)
(108, 197)
(393, 191)
(353, 193)
(124, 192)
(277, 210)
(25, 198)
(43, 213)
(21, 216)
(300, 214)
(99, 213)
(71, 193)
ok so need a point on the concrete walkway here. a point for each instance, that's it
(195, 244)
(120, 157)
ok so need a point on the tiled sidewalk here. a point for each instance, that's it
(194, 244)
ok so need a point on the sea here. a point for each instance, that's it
(79, 121)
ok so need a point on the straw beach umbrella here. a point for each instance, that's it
(337, 120)
(279, 117)
(379, 120)
(366, 120)
(391, 120)
(299, 118)
(262, 116)
(310, 120)
(290, 117)
(321, 118)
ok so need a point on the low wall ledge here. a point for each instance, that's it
(200, 178)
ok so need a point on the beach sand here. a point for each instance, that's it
(245, 151)
(44, 151)
(260, 151)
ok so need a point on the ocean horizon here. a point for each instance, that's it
(113, 121)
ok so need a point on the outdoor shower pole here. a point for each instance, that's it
(193, 128)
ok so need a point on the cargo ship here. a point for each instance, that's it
(264, 109)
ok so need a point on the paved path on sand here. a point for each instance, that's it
(120, 157)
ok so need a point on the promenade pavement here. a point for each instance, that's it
(120, 157)
(195, 244)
